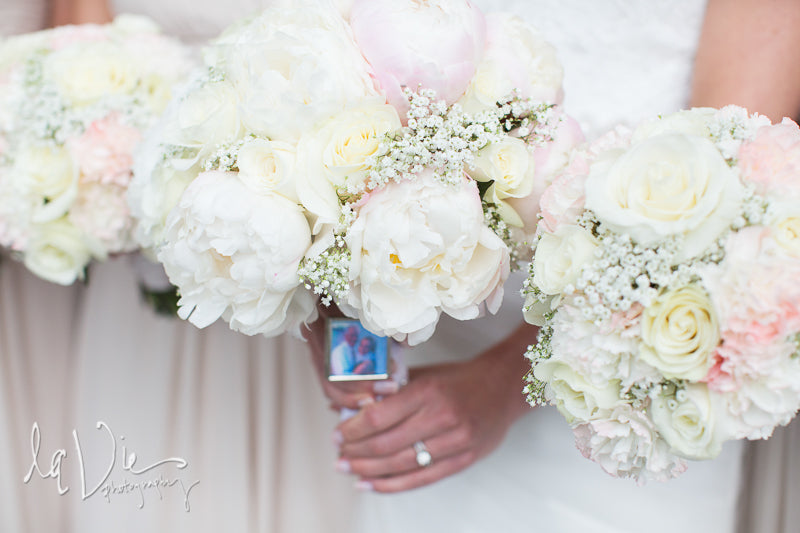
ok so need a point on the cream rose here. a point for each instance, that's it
(59, 252)
(784, 221)
(512, 170)
(335, 156)
(680, 331)
(574, 396)
(690, 423)
(560, 256)
(693, 122)
(85, 73)
(663, 186)
(268, 166)
(419, 248)
(205, 117)
(49, 173)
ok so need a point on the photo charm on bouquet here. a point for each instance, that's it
(355, 354)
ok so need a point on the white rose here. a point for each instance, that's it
(152, 194)
(663, 186)
(85, 72)
(694, 122)
(234, 254)
(335, 155)
(575, 397)
(680, 331)
(205, 117)
(49, 173)
(293, 66)
(784, 220)
(560, 256)
(268, 166)
(516, 57)
(59, 252)
(420, 247)
(690, 422)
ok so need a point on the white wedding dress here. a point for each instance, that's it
(624, 61)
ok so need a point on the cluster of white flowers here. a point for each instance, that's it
(662, 282)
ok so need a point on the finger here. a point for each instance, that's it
(421, 476)
(352, 395)
(440, 446)
(381, 416)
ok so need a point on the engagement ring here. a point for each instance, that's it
(424, 457)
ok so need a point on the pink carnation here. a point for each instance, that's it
(104, 151)
(772, 159)
(757, 296)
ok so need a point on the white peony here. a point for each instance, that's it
(292, 67)
(560, 256)
(693, 422)
(335, 156)
(268, 166)
(419, 248)
(234, 254)
(59, 252)
(664, 186)
(517, 57)
(680, 331)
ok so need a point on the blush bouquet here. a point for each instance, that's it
(74, 101)
(355, 158)
(665, 283)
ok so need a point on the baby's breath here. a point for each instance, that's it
(327, 274)
(534, 389)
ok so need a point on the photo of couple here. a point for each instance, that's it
(355, 353)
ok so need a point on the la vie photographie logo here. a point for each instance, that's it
(122, 474)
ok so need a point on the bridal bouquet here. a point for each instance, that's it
(665, 279)
(73, 103)
(386, 159)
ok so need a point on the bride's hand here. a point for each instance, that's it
(350, 395)
(460, 411)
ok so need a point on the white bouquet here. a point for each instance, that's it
(73, 103)
(665, 281)
(365, 162)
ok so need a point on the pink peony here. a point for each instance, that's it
(104, 151)
(772, 159)
(433, 43)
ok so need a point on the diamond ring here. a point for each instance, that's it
(424, 457)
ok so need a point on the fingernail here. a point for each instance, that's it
(342, 466)
(365, 401)
(337, 437)
(386, 387)
(364, 486)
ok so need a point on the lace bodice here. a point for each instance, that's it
(22, 16)
(624, 60)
